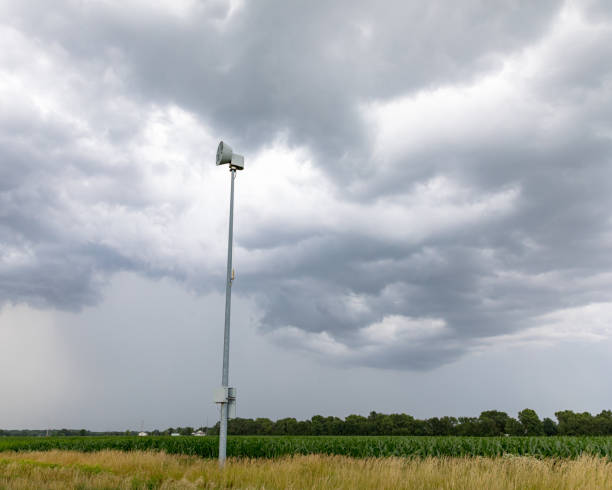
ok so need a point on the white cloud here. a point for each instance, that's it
(393, 331)
(588, 323)
(513, 103)
(399, 328)
(320, 343)
(283, 190)
(145, 183)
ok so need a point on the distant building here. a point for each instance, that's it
(142, 434)
(174, 434)
(198, 433)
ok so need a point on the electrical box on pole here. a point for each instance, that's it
(226, 394)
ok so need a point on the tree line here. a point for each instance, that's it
(489, 423)
(183, 431)
(61, 432)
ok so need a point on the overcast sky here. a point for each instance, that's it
(423, 224)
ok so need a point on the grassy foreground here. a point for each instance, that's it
(116, 469)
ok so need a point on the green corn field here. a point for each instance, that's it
(354, 446)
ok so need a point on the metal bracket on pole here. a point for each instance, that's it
(231, 403)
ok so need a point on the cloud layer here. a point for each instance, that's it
(420, 180)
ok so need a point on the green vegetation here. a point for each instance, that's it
(355, 446)
(489, 423)
(184, 431)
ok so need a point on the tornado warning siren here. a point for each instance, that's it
(225, 154)
(225, 395)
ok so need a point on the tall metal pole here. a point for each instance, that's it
(226, 334)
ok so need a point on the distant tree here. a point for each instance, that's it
(489, 423)
(499, 419)
(549, 427)
(214, 430)
(355, 425)
(241, 427)
(185, 431)
(467, 426)
(514, 427)
(444, 426)
(574, 424)
(486, 427)
(82, 432)
(381, 423)
(404, 425)
(567, 423)
(335, 426)
(531, 422)
(263, 426)
(317, 423)
(287, 426)
(303, 428)
(450, 424)
(587, 424)
(603, 423)
(420, 428)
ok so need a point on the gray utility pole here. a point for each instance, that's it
(226, 332)
(225, 395)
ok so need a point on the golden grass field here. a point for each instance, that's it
(129, 470)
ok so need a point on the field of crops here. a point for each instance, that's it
(354, 446)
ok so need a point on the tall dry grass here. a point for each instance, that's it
(114, 469)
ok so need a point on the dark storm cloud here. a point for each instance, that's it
(529, 175)
(275, 66)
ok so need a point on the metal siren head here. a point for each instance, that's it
(225, 154)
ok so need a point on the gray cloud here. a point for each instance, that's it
(272, 67)
(465, 150)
